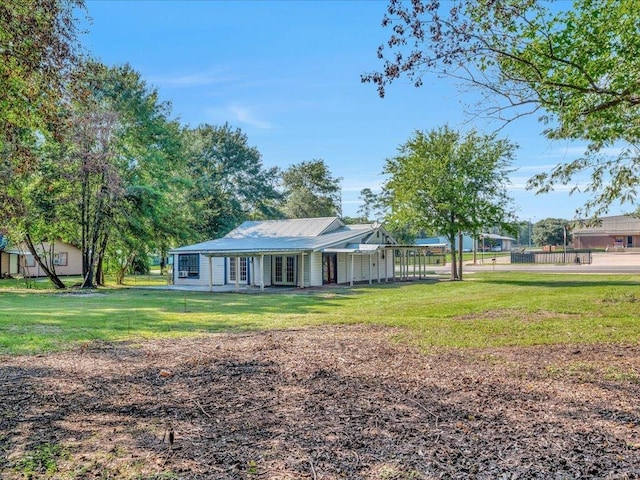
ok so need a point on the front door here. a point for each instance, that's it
(329, 268)
(284, 270)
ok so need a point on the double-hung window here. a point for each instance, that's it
(189, 265)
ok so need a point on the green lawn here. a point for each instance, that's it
(488, 309)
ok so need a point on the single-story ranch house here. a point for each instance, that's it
(299, 252)
(67, 260)
(615, 232)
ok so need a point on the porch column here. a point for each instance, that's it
(351, 281)
(378, 264)
(261, 273)
(385, 256)
(210, 273)
(301, 270)
(237, 260)
(370, 272)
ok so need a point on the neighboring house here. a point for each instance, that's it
(8, 259)
(67, 259)
(495, 243)
(299, 252)
(467, 242)
(486, 242)
(616, 232)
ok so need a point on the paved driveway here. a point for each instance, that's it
(618, 262)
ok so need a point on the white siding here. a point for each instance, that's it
(267, 270)
(361, 267)
(13, 264)
(343, 269)
(256, 274)
(203, 280)
(315, 266)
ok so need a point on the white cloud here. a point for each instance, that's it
(241, 114)
(580, 150)
(190, 80)
(536, 168)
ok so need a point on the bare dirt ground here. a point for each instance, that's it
(320, 403)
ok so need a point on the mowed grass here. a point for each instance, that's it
(486, 310)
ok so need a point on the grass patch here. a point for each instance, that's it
(41, 462)
(489, 309)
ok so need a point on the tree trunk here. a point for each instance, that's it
(50, 272)
(100, 263)
(454, 260)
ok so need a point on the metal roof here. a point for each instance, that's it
(283, 236)
(614, 225)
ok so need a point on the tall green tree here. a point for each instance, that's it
(112, 177)
(310, 191)
(127, 153)
(38, 49)
(447, 182)
(229, 183)
(574, 64)
(370, 204)
(552, 231)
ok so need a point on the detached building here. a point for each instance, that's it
(299, 252)
(616, 232)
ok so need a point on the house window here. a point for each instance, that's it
(243, 269)
(61, 259)
(189, 265)
(29, 261)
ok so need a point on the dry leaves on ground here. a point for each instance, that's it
(320, 403)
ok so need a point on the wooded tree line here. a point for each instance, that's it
(92, 156)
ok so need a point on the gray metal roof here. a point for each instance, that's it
(284, 236)
(614, 225)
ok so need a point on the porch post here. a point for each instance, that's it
(302, 270)
(415, 252)
(261, 273)
(237, 260)
(370, 269)
(210, 273)
(385, 254)
(378, 264)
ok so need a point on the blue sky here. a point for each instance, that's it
(287, 74)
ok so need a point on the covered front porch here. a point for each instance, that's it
(348, 265)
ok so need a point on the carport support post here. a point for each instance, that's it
(385, 255)
(210, 273)
(261, 273)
